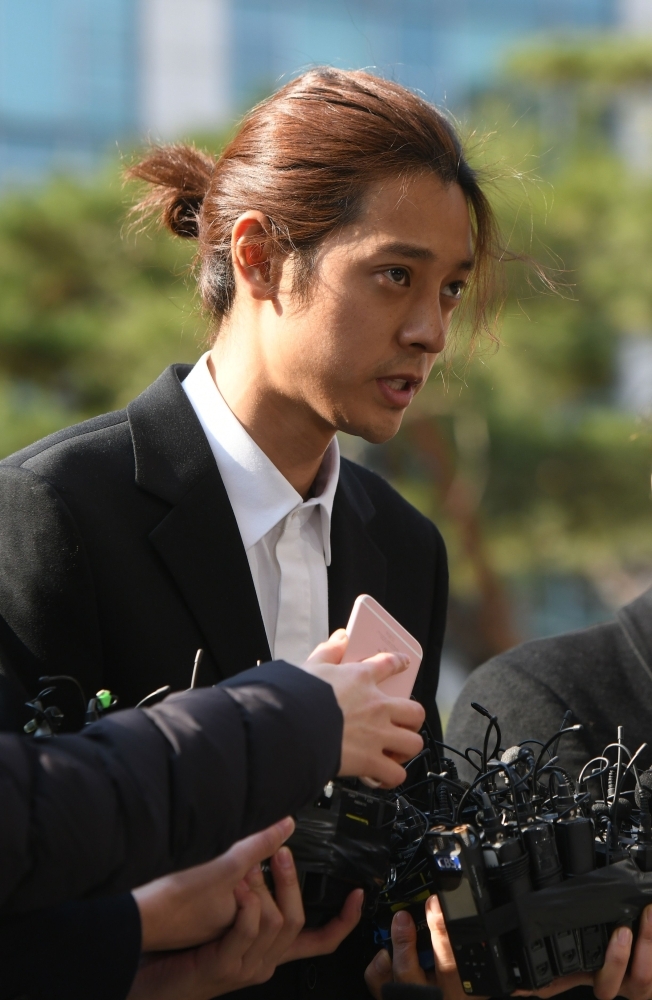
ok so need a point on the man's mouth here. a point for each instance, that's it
(398, 390)
(396, 383)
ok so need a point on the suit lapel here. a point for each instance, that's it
(200, 544)
(357, 564)
(198, 540)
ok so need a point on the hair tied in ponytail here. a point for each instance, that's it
(305, 158)
(182, 216)
(179, 177)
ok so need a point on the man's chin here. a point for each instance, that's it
(374, 432)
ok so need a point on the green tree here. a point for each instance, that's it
(89, 311)
(522, 455)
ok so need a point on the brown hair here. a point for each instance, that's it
(305, 157)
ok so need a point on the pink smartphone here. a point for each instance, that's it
(372, 630)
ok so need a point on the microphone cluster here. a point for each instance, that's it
(533, 869)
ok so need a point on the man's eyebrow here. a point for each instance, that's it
(417, 252)
(407, 250)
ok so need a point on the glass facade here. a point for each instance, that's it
(441, 48)
(71, 79)
(67, 82)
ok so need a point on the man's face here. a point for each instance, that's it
(378, 310)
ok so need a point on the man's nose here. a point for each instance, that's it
(426, 331)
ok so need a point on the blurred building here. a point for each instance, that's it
(68, 82)
(634, 372)
(79, 76)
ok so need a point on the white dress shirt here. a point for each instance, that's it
(287, 540)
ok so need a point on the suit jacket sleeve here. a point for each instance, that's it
(144, 792)
(425, 689)
(47, 594)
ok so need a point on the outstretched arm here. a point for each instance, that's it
(142, 793)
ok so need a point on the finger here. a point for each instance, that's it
(237, 941)
(247, 853)
(219, 965)
(402, 744)
(405, 960)
(271, 924)
(387, 772)
(607, 982)
(281, 920)
(379, 769)
(332, 650)
(270, 916)
(324, 940)
(378, 972)
(407, 713)
(384, 665)
(448, 978)
(639, 980)
(560, 985)
(288, 900)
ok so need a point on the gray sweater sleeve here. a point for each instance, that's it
(526, 705)
(602, 674)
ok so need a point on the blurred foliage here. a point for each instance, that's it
(603, 59)
(89, 312)
(558, 471)
(529, 440)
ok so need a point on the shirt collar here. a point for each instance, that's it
(259, 494)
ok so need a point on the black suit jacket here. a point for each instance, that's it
(120, 556)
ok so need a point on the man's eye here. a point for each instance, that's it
(398, 275)
(454, 289)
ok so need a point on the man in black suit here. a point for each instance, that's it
(120, 556)
(215, 511)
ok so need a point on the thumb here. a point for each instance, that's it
(448, 978)
(247, 853)
(384, 665)
(332, 650)
(378, 972)
(404, 942)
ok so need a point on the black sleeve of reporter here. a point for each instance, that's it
(291, 728)
(142, 793)
(278, 781)
(82, 950)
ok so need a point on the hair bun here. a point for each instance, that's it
(182, 216)
(180, 177)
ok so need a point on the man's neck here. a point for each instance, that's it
(288, 433)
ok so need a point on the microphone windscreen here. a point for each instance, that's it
(406, 991)
(510, 756)
(645, 778)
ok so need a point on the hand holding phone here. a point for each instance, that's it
(373, 630)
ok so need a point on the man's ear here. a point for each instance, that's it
(251, 254)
